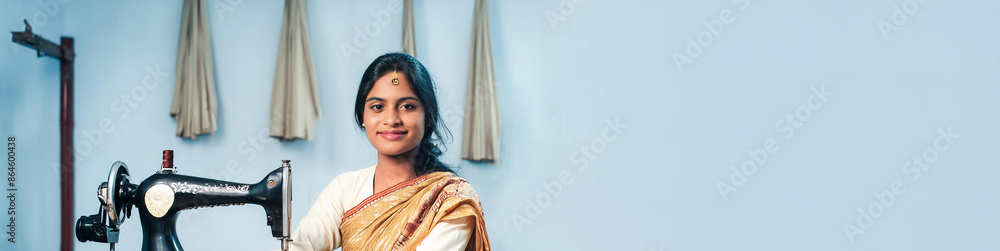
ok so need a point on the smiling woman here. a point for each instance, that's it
(409, 200)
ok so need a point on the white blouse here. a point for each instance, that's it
(320, 229)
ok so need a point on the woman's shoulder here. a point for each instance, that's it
(351, 177)
(456, 182)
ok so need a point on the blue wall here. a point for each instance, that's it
(627, 125)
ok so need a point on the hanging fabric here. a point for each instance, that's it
(409, 38)
(481, 132)
(295, 96)
(194, 104)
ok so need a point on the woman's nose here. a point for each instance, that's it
(392, 118)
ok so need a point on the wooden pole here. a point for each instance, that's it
(66, 144)
(64, 52)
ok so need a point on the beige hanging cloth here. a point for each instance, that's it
(194, 104)
(295, 97)
(481, 132)
(409, 39)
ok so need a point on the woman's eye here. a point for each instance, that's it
(407, 107)
(376, 107)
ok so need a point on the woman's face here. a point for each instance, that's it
(393, 117)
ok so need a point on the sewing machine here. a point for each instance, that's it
(161, 196)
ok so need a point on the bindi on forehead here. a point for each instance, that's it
(395, 80)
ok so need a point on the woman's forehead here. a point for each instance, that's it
(385, 89)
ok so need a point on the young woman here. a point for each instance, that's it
(409, 200)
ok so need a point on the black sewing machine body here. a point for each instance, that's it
(161, 196)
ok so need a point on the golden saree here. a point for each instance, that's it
(400, 217)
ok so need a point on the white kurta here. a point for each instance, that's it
(320, 229)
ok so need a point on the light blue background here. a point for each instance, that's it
(564, 68)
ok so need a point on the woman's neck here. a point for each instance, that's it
(392, 170)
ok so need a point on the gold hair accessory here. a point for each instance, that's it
(395, 81)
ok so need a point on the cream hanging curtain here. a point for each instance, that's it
(481, 132)
(194, 103)
(295, 97)
(409, 39)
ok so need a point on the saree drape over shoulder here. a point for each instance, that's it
(399, 218)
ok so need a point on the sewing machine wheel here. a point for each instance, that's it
(117, 179)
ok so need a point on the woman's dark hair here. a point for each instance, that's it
(427, 152)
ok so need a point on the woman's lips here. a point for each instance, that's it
(392, 135)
